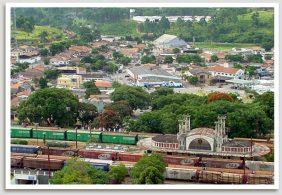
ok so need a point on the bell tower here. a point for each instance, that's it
(220, 131)
(184, 128)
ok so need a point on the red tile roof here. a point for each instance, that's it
(218, 68)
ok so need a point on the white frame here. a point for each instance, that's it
(146, 187)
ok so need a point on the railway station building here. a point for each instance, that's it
(201, 139)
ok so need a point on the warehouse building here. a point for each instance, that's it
(152, 75)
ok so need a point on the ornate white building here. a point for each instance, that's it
(201, 139)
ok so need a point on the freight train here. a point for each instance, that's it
(72, 135)
(192, 174)
(129, 157)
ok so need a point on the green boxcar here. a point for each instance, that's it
(83, 136)
(20, 132)
(119, 139)
(49, 134)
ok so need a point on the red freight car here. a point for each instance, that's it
(54, 157)
(180, 160)
(128, 157)
(59, 151)
(221, 163)
(16, 161)
(23, 154)
(97, 154)
(43, 163)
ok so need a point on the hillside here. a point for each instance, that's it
(34, 36)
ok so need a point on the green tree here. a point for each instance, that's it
(46, 61)
(79, 172)
(57, 47)
(43, 83)
(86, 113)
(193, 80)
(214, 58)
(25, 23)
(176, 50)
(51, 74)
(117, 173)
(162, 91)
(149, 170)
(43, 36)
(44, 52)
(168, 60)
(148, 59)
(48, 106)
(91, 89)
(135, 96)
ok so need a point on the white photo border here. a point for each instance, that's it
(142, 187)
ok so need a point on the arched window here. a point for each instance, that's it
(200, 144)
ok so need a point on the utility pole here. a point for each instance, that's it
(76, 137)
(49, 168)
(36, 129)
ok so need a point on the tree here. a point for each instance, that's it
(255, 18)
(25, 23)
(266, 100)
(44, 52)
(148, 59)
(43, 83)
(168, 60)
(86, 113)
(122, 108)
(109, 120)
(219, 96)
(238, 66)
(250, 70)
(255, 58)
(176, 50)
(193, 80)
(162, 91)
(135, 96)
(46, 61)
(57, 47)
(43, 36)
(149, 170)
(87, 35)
(151, 175)
(235, 58)
(189, 58)
(51, 74)
(117, 173)
(49, 106)
(214, 58)
(91, 89)
(79, 172)
(267, 43)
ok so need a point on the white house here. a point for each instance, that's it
(225, 71)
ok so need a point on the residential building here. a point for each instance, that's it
(225, 72)
(69, 81)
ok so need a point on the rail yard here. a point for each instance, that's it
(112, 149)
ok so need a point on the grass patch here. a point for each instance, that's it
(124, 28)
(223, 46)
(53, 34)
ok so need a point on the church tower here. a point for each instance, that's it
(221, 136)
(184, 128)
